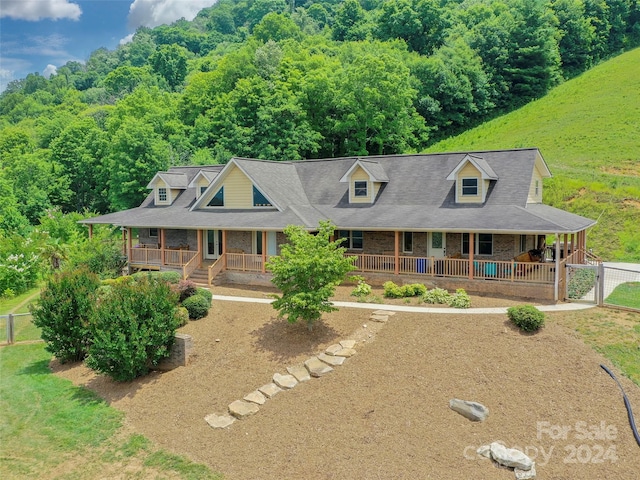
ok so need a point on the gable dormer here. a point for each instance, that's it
(231, 188)
(167, 186)
(365, 178)
(472, 177)
(202, 181)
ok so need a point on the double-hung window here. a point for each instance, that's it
(469, 187)
(360, 188)
(353, 239)
(162, 194)
(483, 244)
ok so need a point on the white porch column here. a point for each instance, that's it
(472, 242)
(556, 280)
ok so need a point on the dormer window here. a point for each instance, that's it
(162, 194)
(218, 199)
(470, 187)
(259, 200)
(360, 189)
(203, 189)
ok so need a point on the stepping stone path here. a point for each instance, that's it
(315, 366)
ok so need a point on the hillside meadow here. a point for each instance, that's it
(588, 130)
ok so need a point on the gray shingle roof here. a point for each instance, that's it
(417, 197)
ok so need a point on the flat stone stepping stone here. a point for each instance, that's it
(333, 349)
(270, 390)
(301, 373)
(255, 397)
(331, 359)
(345, 352)
(242, 409)
(284, 381)
(348, 343)
(219, 421)
(317, 368)
(388, 313)
(379, 318)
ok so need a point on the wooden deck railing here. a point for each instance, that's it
(244, 262)
(215, 268)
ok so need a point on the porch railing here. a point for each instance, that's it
(215, 268)
(244, 262)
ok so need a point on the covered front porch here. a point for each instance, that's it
(469, 257)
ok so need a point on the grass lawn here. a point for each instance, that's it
(613, 333)
(625, 295)
(49, 425)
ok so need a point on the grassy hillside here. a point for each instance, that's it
(588, 131)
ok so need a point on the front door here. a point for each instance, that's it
(212, 244)
(437, 244)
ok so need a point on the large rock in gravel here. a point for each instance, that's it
(284, 381)
(255, 397)
(472, 410)
(526, 474)
(270, 390)
(332, 349)
(242, 409)
(510, 457)
(317, 368)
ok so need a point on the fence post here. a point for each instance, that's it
(600, 280)
(10, 329)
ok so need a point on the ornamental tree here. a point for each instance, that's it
(307, 271)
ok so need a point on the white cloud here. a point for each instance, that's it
(49, 70)
(127, 39)
(34, 10)
(151, 13)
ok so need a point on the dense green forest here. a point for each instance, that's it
(284, 80)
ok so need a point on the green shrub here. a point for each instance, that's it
(205, 293)
(133, 328)
(437, 296)
(182, 314)
(526, 317)
(363, 289)
(391, 290)
(197, 305)
(63, 313)
(460, 299)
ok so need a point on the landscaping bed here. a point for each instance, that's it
(384, 413)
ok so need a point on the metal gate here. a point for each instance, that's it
(584, 283)
(621, 285)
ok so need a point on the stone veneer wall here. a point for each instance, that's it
(239, 240)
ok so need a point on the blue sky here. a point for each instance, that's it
(38, 35)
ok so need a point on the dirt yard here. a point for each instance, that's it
(384, 414)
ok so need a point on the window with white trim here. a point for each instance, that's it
(483, 244)
(203, 189)
(360, 188)
(537, 188)
(162, 194)
(354, 239)
(469, 187)
(259, 200)
(407, 242)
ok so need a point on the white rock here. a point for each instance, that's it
(317, 368)
(384, 312)
(255, 397)
(510, 457)
(472, 410)
(484, 451)
(526, 474)
(379, 318)
(348, 343)
(331, 360)
(219, 421)
(331, 350)
(345, 352)
(284, 381)
(242, 409)
(301, 373)
(270, 390)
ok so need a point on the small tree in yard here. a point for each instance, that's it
(133, 328)
(307, 271)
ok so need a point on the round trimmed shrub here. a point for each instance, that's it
(526, 317)
(197, 305)
(460, 299)
(205, 293)
(184, 289)
(182, 314)
(437, 296)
